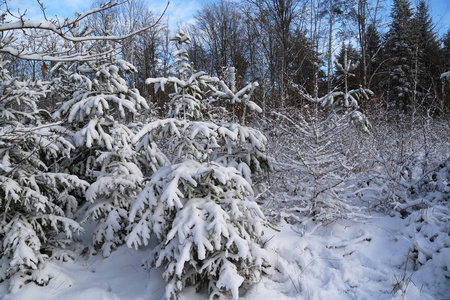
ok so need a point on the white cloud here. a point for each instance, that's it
(182, 11)
(178, 12)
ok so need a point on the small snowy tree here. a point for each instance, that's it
(36, 202)
(320, 150)
(242, 97)
(200, 206)
(186, 100)
(96, 117)
(208, 227)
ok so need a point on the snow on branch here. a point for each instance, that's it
(62, 30)
(445, 75)
(26, 55)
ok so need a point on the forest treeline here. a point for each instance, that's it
(285, 45)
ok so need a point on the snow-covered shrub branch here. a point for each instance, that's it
(404, 158)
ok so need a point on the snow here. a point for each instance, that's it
(228, 278)
(358, 259)
(121, 278)
(445, 75)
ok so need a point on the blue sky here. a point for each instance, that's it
(180, 11)
(440, 10)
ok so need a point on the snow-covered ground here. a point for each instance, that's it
(357, 259)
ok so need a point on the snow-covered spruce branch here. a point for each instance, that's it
(10, 134)
(350, 98)
(111, 196)
(205, 141)
(207, 225)
(96, 107)
(46, 138)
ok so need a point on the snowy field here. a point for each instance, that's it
(360, 259)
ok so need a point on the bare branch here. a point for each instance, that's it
(42, 9)
(63, 31)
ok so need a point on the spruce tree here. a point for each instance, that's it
(302, 68)
(446, 50)
(445, 80)
(400, 54)
(185, 101)
(37, 200)
(426, 56)
(349, 53)
(374, 58)
(96, 114)
(200, 206)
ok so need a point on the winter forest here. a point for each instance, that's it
(266, 149)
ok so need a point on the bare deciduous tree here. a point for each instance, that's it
(58, 28)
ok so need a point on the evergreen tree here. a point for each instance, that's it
(37, 200)
(446, 50)
(200, 206)
(186, 100)
(348, 55)
(95, 115)
(400, 55)
(426, 56)
(301, 69)
(374, 57)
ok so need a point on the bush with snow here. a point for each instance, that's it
(319, 148)
(429, 217)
